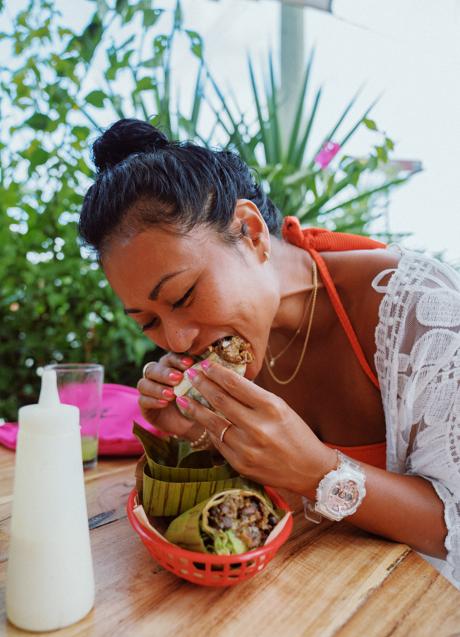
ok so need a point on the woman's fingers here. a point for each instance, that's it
(194, 410)
(233, 442)
(168, 364)
(156, 385)
(239, 387)
(159, 378)
(218, 397)
(171, 421)
(162, 374)
(155, 390)
(148, 403)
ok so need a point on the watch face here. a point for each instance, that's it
(342, 496)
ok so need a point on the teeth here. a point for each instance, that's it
(224, 341)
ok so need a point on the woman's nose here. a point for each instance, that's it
(179, 337)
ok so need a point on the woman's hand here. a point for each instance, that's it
(157, 398)
(265, 439)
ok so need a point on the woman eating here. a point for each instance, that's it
(351, 398)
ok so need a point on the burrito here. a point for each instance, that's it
(231, 351)
(228, 523)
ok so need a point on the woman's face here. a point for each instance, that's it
(185, 292)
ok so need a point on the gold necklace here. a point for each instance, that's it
(270, 363)
(272, 359)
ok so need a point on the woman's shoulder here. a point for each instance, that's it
(373, 272)
(354, 271)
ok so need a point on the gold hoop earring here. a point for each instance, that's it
(267, 255)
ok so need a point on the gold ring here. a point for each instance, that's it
(144, 369)
(223, 432)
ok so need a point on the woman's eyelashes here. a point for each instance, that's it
(182, 300)
(151, 324)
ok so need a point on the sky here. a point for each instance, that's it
(408, 52)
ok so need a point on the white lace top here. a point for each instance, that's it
(418, 365)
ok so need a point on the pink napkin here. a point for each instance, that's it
(119, 409)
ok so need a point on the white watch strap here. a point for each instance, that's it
(309, 511)
(309, 506)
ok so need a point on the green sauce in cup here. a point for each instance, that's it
(89, 451)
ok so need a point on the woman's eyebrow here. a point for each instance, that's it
(155, 290)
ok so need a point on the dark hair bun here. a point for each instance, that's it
(126, 137)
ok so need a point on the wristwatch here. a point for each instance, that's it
(339, 493)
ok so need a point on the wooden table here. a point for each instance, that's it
(331, 579)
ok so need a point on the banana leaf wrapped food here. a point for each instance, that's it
(228, 523)
(231, 351)
(172, 478)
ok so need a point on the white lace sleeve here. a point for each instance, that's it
(418, 363)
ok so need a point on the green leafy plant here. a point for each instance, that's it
(58, 93)
(55, 304)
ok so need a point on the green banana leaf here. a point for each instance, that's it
(170, 460)
(192, 529)
(175, 478)
(160, 498)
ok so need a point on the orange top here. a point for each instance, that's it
(375, 454)
(316, 240)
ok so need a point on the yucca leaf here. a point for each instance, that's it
(273, 112)
(197, 98)
(334, 129)
(301, 149)
(232, 133)
(261, 121)
(294, 136)
(354, 225)
(241, 115)
(358, 124)
(367, 193)
(314, 209)
(299, 177)
(221, 97)
(166, 100)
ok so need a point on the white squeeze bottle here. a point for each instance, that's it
(50, 581)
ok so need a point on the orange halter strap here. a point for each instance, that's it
(316, 240)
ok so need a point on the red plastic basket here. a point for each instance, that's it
(205, 569)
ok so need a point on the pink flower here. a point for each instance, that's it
(327, 154)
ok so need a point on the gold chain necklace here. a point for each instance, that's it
(312, 303)
(272, 359)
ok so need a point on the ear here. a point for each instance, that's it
(249, 223)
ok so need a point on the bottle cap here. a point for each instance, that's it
(49, 416)
(49, 396)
